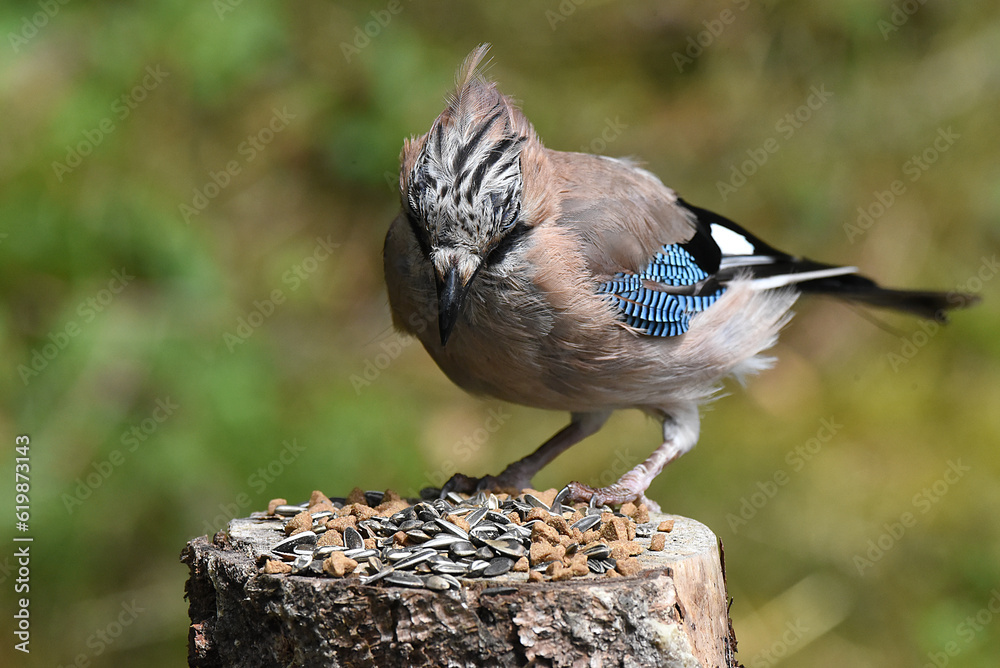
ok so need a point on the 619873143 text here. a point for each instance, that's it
(22, 551)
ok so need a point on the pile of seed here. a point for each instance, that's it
(385, 539)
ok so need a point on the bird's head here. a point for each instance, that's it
(462, 185)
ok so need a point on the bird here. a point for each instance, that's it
(581, 283)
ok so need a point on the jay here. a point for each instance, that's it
(581, 283)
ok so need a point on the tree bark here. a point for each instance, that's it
(674, 612)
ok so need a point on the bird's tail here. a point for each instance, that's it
(924, 303)
(733, 253)
(812, 277)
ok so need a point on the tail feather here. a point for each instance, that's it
(810, 277)
(924, 303)
(728, 252)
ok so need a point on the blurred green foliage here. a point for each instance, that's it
(234, 163)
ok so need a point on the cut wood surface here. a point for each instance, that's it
(672, 613)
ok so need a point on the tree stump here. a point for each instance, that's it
(674, 612)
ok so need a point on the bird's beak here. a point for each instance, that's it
(451, 295)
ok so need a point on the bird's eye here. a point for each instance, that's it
(510, 216)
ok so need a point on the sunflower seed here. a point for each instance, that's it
(587, 523)
(414, 559)
(498, 566)
(462, 548)
(452, 528)
(301, 563)
(377, 576)
(304, 548)
(427, 512)
(402, 516)
(360, 553)
(507, 548)
(404, 579)
(535, 502)
(645, 530)
(476, 516)
(436, 582)
(374, 498)
(287, 544)
(515, 533)
(449, 567)
(562, 495)
(483, 531)
(410, 524)
(353, 539)
(442, 540)
(417, 535)
(371, 527)
(478, 566)
(599, 551)
(497, 518)
(326, 551)
(288, 510)
(450, 579)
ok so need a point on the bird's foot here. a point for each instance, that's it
(612, 495)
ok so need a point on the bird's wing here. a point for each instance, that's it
(659, 259)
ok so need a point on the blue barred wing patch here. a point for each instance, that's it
(654, 312)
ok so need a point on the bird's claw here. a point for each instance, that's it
(612, 495)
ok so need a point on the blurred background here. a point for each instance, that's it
(193, 198)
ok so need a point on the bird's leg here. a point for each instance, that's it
(518, 475)
(680, 433)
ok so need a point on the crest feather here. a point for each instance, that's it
(470, 68)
